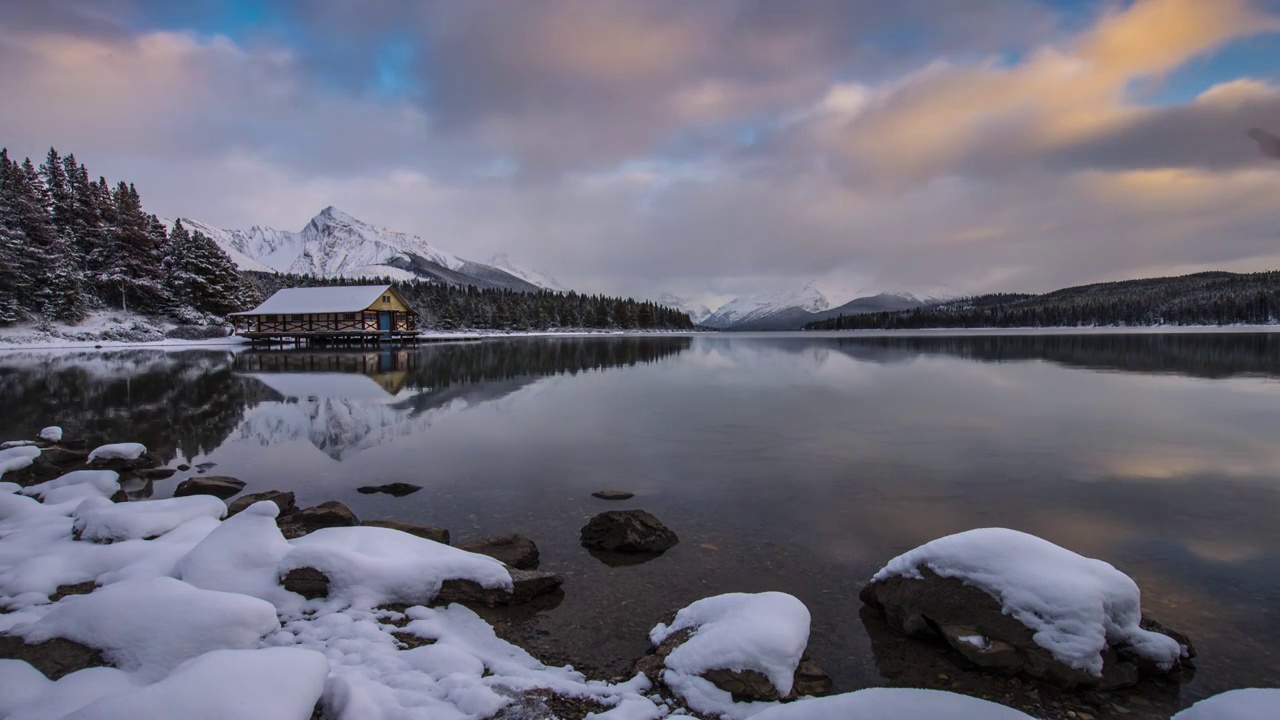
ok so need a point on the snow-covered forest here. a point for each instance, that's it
(70, 245)
(1208, 298)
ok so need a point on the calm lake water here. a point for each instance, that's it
(788, 462)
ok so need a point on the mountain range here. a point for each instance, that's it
(335, 244)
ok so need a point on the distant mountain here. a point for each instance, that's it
(696, 311)
(795, 309)
(1207, 298)
(529, 275)
(768, 311)
(336, 245)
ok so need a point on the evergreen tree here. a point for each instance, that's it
(200, 275)
(14, 282)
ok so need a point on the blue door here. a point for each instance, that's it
(384, 321)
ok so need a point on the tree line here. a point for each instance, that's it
(1208, 298)
(453, 307)
(70, 245)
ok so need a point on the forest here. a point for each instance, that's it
(1208, 298)
(70, 245)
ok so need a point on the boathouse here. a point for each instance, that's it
(351, 314)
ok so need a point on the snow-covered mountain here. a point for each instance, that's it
(755, 312)
(696, 311)
(537, 277)
(335, 244)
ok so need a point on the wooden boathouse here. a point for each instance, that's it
(356, 314)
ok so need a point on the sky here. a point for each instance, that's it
(707, 149)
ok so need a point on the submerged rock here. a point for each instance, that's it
(515, 550)
(628, 531)
(283, 500)
(156, 473)
(325, 515)
(438, 534)
(396, 489)
(219, 486)
(613, 495)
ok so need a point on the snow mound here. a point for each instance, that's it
(53, 433)
(369, 566)
(16, 443)
(241, 555)
(268, 684)
(892, 704)
(75, 486)
(766, 632)
(26, 694)
(99, 520)
(1075, 605)
(117, 451)
(1246, 704)
(16, 458)
(151, 626)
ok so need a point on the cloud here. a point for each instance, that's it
(708, 149)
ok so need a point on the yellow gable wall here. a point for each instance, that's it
(396, 302)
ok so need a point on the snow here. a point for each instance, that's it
(149, 627)
(766, 632)
(34, 697)
(118, 451)
(241, 555)
(76, 486)
(370, 566)
(757, 307)
(979, 641)
(16, 443)
(893, 704)
(99, 520)
(17, 458)
(303, 386)
(1075, 605)
(53, 433)
(534, 277)
(1245, 704)
(338, 299)
(268, 684)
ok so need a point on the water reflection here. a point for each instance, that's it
(797, 463)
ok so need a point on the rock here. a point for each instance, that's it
(396, 489)
(307, 582)
(515, 550)
(743, 684)
(810, 678)
(528, 584)
(184, 467)
(971, 622)
(156, 473)
(57, 455)
(121, 465)
(283, 500)
(55, 658)
(219, 486)
(627, 531)
(306, 520)
(613, 495)
(440, 535)
(205, 467)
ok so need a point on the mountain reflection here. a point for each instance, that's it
(1218, 355)
(184, 404)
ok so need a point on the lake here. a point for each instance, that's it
(793, 462)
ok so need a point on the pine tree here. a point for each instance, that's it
(14, 282)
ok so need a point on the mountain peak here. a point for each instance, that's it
(333, 214)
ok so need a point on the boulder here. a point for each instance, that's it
(971, 622)
(283, 500)
(515, 550)
(219, 486)
(440, 535)
(613, 495)
(634, 531)
(810, 678)
(55, 658)
(324, 515)
(528, 584)
(396, 489)
(307, 582)
(161, 473)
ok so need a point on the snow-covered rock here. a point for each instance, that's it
(151, 626)
(76, 486)
(17, 458)
(1244, 704)
(99, 520)
(892, 704)
(53, 433)
(117, 451)
(1015, 601)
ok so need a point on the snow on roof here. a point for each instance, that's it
(347, 386)
(297, 301)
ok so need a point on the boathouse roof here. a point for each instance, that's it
(305, 301)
